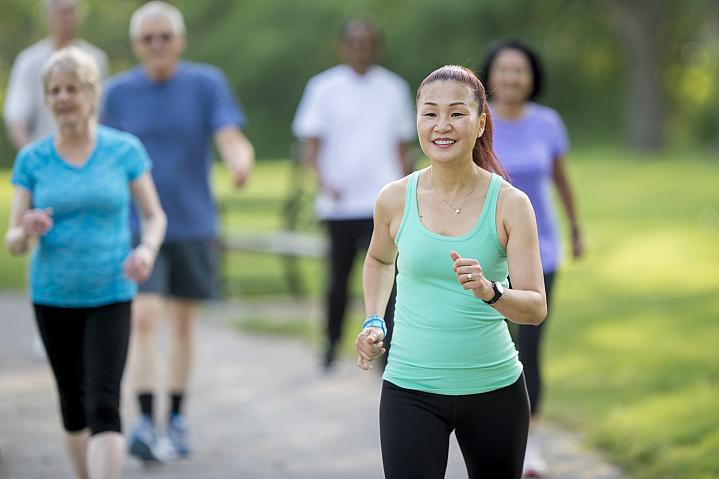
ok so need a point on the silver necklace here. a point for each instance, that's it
(457, 209)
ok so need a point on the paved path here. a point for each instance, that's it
(259, 410)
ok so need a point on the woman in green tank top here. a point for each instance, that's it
(460, 231)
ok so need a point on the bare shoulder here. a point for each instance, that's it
(390, 200)
(513, 203)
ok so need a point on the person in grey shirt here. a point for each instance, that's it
(26, 115)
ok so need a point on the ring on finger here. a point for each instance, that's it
(469, 276)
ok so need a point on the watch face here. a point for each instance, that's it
(500, 288)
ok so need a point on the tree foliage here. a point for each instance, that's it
(270, 49)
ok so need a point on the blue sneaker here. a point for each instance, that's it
(142, 441)
(177, 434)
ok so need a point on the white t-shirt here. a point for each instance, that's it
(25, 96)
(360, 121)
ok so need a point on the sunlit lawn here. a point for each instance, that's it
(632, 347)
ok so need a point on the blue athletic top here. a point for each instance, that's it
(176, 120)
(78, 262)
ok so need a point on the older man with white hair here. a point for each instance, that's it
(177, 109)
(27, 118)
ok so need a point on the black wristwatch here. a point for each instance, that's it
(498, 292)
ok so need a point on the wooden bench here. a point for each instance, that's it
(298, 237)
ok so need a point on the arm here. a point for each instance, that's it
(139, 262)
(561, 180)
(379, 270)
(18, 133)
(526, 302)
(25, 222)
(405, 158)
(18, 101)
(237, 153)
(310, 154)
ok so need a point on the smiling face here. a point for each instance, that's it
(158, 46)
(448, 121)
(510, 77)
(71, 103)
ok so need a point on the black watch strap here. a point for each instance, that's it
(497, 294)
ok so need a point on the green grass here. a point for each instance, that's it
(631, 353)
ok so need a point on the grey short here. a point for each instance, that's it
(185, 270)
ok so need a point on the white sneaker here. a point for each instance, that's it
(534, 463)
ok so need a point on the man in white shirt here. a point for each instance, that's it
(357, 120)
(26, 115)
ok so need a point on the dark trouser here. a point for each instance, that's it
(87, 348)
(529, 343)
(347, 239)
(491, 429)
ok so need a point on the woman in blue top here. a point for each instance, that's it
(531, 143)
(459, 230)
(72, 194)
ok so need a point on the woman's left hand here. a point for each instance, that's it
(470, 276)
(577, 244)
(138, 264)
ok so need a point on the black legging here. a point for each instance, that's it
(347, 239)
(528, 344)
(491, 429)
(87, 348)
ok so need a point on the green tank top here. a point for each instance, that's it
(445, 340)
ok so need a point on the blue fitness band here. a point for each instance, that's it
(375, 322)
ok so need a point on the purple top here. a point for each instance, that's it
(528, 147)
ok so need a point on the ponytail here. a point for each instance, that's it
(483, 154)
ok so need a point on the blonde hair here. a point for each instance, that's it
(157, 9)
(76, 62)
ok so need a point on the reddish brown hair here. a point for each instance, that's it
(482, 153)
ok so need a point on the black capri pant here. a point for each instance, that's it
(87, 349)
(491, 429)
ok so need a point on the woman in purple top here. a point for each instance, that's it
(531, 142)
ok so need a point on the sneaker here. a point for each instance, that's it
(534, 464)
(177, 434)
(142, 441)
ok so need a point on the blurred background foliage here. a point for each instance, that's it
(637, 72)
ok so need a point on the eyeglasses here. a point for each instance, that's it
(164, 37)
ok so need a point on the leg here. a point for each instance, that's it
(147, 312)
(62, 332)
(106, 455)
(182, 332)
(529, 345)
(193, 273)
(414, 433)
(106, 343)
(492, 429)
(76, 446)
(342, 255)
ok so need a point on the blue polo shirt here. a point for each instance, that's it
(176, 120)
(78, 262)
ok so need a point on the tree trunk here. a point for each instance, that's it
(638, 24)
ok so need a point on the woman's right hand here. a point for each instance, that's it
(138, 264)
(37, 222)
(369, 345)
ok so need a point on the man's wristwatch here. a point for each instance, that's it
(498, 292)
